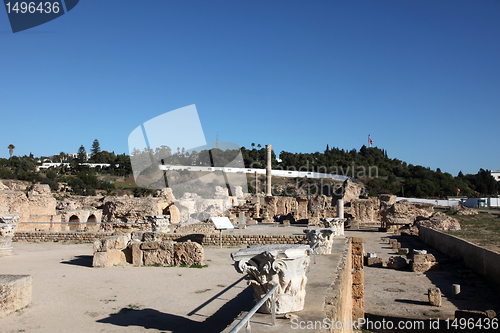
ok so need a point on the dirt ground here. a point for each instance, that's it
(71, 296)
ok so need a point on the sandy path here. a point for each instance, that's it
(71, 296)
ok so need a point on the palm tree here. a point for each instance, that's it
(253, 145)
(11, 148)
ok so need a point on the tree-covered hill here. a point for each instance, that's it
(370, 166)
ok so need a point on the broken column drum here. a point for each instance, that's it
(159, 223)
(322, 235)
(8, 226)
(284, 265)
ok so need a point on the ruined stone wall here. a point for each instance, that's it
(358, 307)
(477, 258)
(203, 239)
(338, 297)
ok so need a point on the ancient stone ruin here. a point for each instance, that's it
(145, 248)
(8, 225)
(282, 264)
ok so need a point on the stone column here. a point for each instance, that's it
(159, 223)
(325, 238)
(284, 265)
(268, 171)
(256, 183)
(8, 226)
(340, 208)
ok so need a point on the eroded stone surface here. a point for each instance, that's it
(15, 293)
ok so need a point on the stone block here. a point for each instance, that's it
(374, 261)
(188, 253)
(423, 258)
(397, 263)
(358, 304)
(357, 240)
(357, 314)
(158, 257)
(358, 291)
(357, 262)
(403, 251)
(137, 256)
(357, 248)
(15, 293)
(434, 295)
(422, 267)
(118, 242)
(392, 241)
(109, 258)
(357, 277)
(152, 245)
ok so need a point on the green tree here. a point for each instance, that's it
(82, 155)
(11, 148)
(96, 149)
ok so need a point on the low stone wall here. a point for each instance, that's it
(47, 236)
(338, 306)
(479, 259)
(203, 239)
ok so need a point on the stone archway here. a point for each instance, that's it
(92, 224)
(74, 222)
(173, 212)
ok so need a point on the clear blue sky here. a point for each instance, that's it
(422, 77)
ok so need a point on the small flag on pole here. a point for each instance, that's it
(369, 140)
(458, 191)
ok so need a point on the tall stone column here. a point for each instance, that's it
(268, 171)
(8, 226)
(284, 265)
(340, 208)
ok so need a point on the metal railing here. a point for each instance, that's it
(246, 319)
(313, 251)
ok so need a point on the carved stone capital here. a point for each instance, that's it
(282, 264)
(335, 223)
(322, 235)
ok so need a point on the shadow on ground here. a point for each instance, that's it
(166, 322)
(85, 261)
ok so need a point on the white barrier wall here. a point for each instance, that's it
(444, 203)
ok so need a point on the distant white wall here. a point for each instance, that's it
(444, 203)
(278, 173)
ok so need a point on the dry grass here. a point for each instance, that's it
(482, 229)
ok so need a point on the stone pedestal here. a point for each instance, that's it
(159, 223)
(324, 236)
(8, 225)
(336, 224)
(282, 264)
